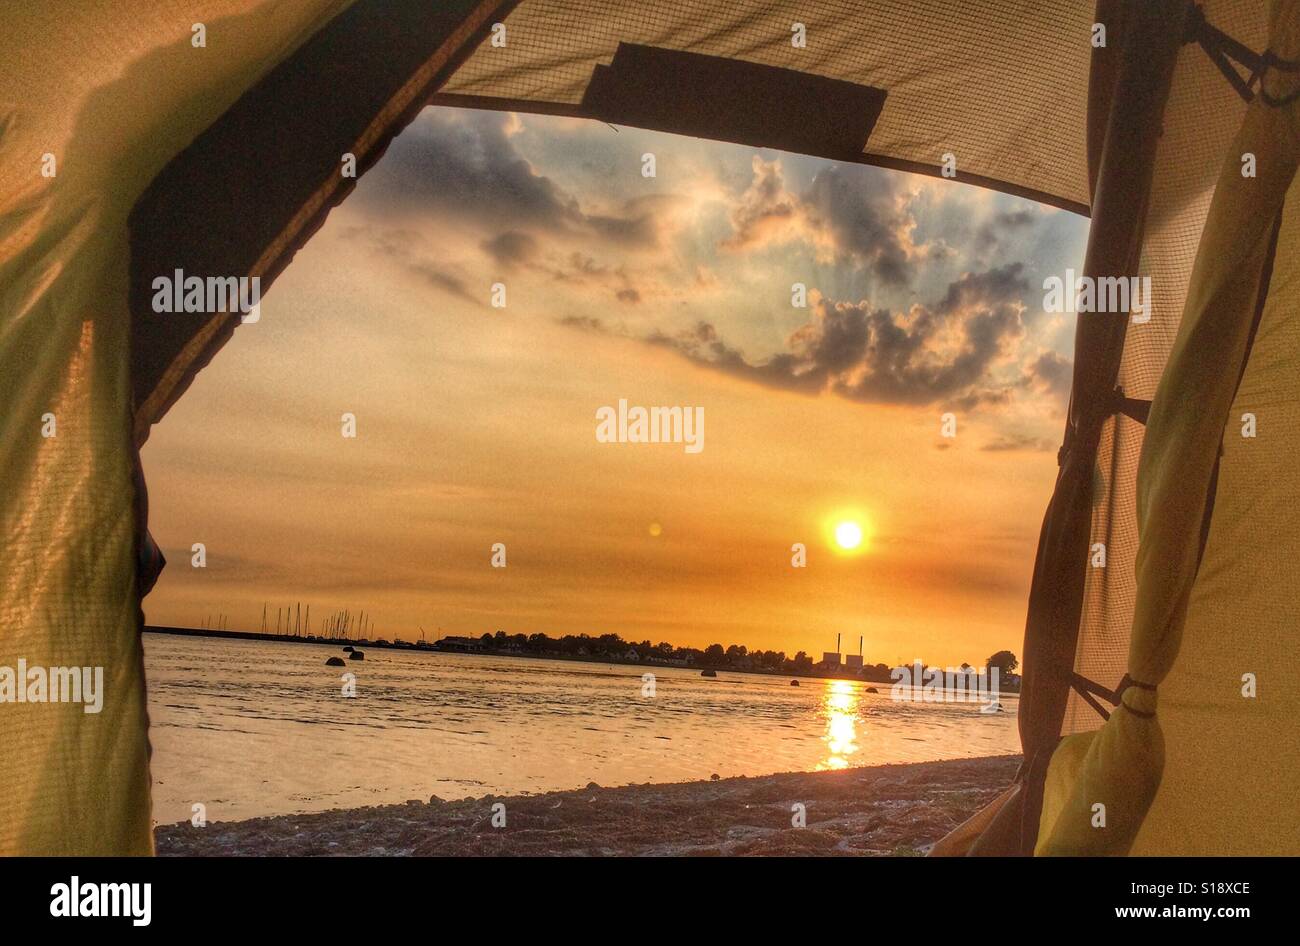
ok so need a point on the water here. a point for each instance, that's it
(252, 728)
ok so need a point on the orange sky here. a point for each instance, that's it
(477, 425)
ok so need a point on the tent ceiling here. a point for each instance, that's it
(1001, 86)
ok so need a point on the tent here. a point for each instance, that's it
(211, 136)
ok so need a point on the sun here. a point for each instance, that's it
(848, 535)
(848, 531)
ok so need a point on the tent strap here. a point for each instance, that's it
(1223, 50)
(1133, 407)
(1087, 688)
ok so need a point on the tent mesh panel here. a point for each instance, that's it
(1202, 116)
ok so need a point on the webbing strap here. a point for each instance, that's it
(1087, 688)
(1130, 406)
(1223, 51)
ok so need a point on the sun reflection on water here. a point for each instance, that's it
(840, 707)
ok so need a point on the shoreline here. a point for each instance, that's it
(422, 648)
(884, 810)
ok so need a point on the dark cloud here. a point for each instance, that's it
(639, 228)
(989, 289)
(440, 279)
(464, 164)
(864, 213)
(992, 234)
(861, 215)
(943, 352)
(1015, 219)
(511, 247)
(1051, 374)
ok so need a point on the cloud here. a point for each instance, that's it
(944, 352)
(766, 210)
(396, 246)
(851, 215)
(1006, 222)
(440, 279)
(868, 217)
(639, 223)
(994, 233)
(1013, 442)
(587, 322)
(1051, 374)
(465, 165)
(511, 247)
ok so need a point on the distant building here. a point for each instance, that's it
(853, 661)
(463, 644)
(830, 658)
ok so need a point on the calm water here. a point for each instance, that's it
(256, 728)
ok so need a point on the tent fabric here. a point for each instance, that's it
(1136, 75)
(217, 208)
(1120, 766)
(141, 122)
(964, 839)
(1230, 758)
(1001, 86)
(112, 91)
(1202, 115)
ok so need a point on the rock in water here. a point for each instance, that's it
(334, 662)
(708, 673)
(794, 683)
(357, 655)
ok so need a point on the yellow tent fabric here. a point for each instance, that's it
(1101, 784)
(1231, 759)
(110, 91)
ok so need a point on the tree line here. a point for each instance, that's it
(715, 656)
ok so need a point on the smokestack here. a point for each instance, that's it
(837, 642)
(860, 645)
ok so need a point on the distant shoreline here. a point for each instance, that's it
(869, 674)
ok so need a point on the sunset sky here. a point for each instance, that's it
(476, 424)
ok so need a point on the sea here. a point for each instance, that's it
(254, 728)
